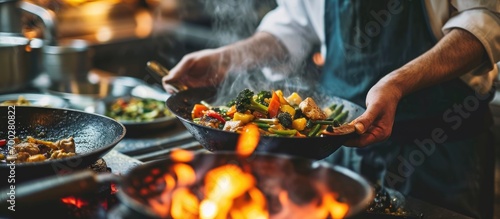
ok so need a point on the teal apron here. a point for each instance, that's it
(441, 149)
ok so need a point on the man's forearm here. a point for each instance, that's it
(456, 54)
(261, 49)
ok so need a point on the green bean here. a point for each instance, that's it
(262, 125)
(314, 130)
(288, 132)
(337, 111)
(341, 117)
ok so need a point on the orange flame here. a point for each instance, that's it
(230, 191)
(180, 155)
(248, 140)
(185, 174)
(79, 203)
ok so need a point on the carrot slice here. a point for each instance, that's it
(198, 110)
(274, 106)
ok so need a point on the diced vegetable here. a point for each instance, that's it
(274, 105)
(281, 98)
(294, 99)
(198, 110)
(243, 117)
(3, 142)
(299, 124)
(231, 111)
(216, 115)
(288, 109)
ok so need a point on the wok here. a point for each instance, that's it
(147, 181)
(213, 139)
(94, 136)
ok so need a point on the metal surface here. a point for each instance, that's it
(67, 61)
(19, 56)
(89, 96)
(47, 17)
(43, 100)
(10, 16)
(94, 136)
(181, 104)
(20, 59)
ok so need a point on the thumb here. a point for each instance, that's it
(364, 121)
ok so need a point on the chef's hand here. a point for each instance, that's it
(198, 69)
(375, 124)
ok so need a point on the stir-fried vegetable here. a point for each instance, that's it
(139, 110)
(273, 112)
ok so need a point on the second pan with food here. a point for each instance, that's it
(94, 135)
(181, 105)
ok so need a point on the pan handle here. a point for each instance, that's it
(38, 191)
(157, 71)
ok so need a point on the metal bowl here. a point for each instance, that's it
(43, 100)
(88, 96)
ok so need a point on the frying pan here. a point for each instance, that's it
(213, 139)
(147, 181)
(94, 136)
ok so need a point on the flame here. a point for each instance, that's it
(185, 204)
(79, 203)
(185, 174)
(248, 140)
(114, 189)
(180, 155)
(230, 191)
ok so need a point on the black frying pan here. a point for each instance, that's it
(94, 136)
(145, 182)
(212, 139)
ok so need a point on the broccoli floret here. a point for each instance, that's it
(245, 101)
(262, 96)
(285, 119)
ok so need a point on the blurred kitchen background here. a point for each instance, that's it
(123, 35)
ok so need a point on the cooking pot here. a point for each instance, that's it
(19, 58)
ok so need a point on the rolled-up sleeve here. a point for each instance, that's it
(291, 24)
(482, 19)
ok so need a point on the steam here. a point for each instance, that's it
(234, 20)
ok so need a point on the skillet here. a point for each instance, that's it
(94, 136)
(181, 104)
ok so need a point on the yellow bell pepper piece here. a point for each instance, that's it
(243, 117)
(299, 124)
(288, 109)
(282, 99)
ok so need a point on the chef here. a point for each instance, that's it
(424, 70)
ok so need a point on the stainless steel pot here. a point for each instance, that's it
(19, 56)
(20, 59)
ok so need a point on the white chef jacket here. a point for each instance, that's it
(299, 25)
